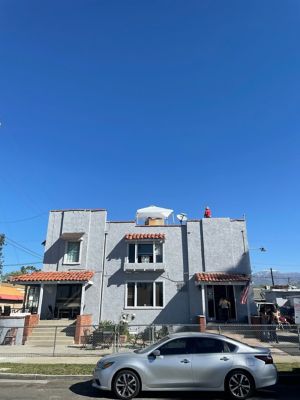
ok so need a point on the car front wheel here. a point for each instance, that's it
(126, 384)
(239, 385)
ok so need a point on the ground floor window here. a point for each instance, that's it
(144, 294)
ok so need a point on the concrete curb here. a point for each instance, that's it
(8, 375)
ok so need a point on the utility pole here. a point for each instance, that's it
(272, 277)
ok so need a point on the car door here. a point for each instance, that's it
(173, 367)
(212, 359)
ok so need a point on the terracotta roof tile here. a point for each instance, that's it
(82, 276)
(220, 277)
(140, 236)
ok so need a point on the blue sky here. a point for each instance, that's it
(123, 104)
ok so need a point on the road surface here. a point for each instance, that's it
(82, 390)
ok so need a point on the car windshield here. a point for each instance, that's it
(152, 346)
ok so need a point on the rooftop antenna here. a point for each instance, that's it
(182, 217)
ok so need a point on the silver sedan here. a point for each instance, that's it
(188, 361)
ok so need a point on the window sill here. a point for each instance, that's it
(144, 267)
(143, 308)
(71, 263)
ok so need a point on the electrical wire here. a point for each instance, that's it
(21, 247)
(24, 219)
(24, 263)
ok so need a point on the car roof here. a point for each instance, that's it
(196, 334)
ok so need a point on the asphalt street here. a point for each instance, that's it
(67, 390)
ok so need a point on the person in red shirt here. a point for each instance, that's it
(207, 212)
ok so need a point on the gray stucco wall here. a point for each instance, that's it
(210, 245)
(176, 301)
(225, 246)
(89, 226)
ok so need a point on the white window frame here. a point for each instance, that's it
(153, 242)
(65, 262)
(135, 307)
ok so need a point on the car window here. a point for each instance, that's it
(209, 345)
(176, 346)
(229, 347)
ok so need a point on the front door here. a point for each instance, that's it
(173, 368)
(68, 300)
(213, 295)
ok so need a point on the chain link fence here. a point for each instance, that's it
(95, 340)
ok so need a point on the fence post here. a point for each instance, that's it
(54, 344)
(298, 329)
(116, 344)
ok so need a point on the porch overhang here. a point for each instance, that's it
(54, 277)
(220, 278)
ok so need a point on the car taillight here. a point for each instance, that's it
(268, 359)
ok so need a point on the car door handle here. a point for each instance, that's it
(224, 358)
(185, 361)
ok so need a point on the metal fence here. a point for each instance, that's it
(95, 340)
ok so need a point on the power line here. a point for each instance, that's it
(23, 248)
(24, 263)
(277, 265)
(24, 219)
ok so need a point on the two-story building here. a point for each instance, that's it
(156, 270)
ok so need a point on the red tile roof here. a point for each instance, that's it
(11, 293)
(220, 277)
(82, 276)
(11, 297)
(139, 236)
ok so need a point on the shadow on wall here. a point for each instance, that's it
(242, 266)
(54, 253)
(120, 277)
(119, 252)
(176, 311)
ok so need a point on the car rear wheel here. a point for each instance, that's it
(126, 384)
(239, 385)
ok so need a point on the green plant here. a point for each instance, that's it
(106, 325)
(123, 328)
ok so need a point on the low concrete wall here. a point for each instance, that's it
(12, 322)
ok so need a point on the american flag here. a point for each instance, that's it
(245, 293)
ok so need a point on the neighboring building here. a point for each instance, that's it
(162, 272)
(11, 298)
(281, 294)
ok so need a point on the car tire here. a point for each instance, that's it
(239, 385)
(126, 384)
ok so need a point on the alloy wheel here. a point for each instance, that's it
(126, 385)
(240, 385)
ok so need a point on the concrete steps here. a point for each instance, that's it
(49, 331)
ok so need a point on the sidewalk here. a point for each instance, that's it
(75, 354)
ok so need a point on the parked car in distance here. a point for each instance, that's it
(189, 362)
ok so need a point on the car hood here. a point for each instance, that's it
(119, 356)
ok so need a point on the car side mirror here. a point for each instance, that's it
(156, 353)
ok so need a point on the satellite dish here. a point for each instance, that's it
(182, 217)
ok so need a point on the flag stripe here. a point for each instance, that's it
(245, 293)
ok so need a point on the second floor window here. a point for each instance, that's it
(147, 252)
(72, 254)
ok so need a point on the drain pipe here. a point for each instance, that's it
(102, 278)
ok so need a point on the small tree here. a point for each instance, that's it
(2, 243)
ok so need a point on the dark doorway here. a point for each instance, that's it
(213, 294)
(68, 301)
